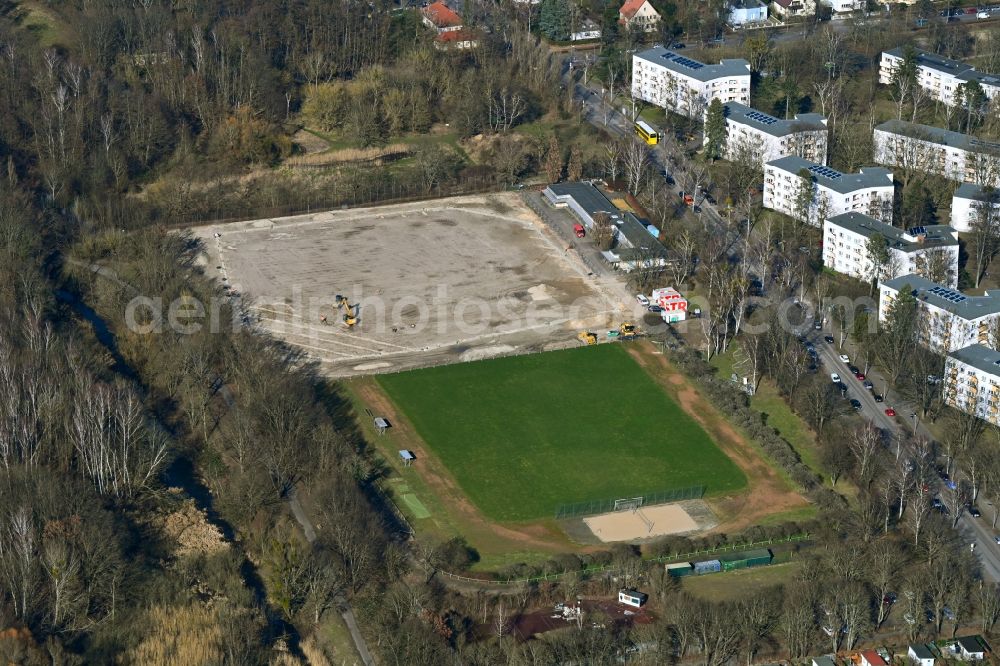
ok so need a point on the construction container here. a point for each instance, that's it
(709, 566)
(746, 559)
(679, 569)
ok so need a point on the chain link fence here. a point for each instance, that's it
(605, 505)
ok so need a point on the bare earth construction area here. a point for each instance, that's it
(651, 521)
(434, 282)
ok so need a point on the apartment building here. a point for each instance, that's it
(923, 250)
(939, 76)
(767, 138)
(972, 381)
(970, 202)
(685, 86)
(870, 191)
(939, 151)
(949, 320)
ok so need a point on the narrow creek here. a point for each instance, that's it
(181, 473)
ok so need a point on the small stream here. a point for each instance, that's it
(181, 473)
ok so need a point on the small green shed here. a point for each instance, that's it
(746, 559)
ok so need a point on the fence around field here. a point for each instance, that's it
(589, 571)
(605, 505)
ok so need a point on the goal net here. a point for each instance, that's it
(628, 504)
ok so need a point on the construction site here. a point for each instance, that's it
(397, 287)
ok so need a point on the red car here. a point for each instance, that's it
(890, 411)
(860, 376)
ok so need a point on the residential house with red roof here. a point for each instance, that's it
(639, 15)
(448, 24)
(786, 9)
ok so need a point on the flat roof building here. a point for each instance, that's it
(923, 250)
(948, 319)
(635, 247)
(971, 202)
(685, 86)
(870, 191)
(972, 383)
(939, 76)
(754, 133)
(953, 155)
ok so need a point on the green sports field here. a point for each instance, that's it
(527, 433)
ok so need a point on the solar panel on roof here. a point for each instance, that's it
(917, 231)
(761, 117)
(687, 62)
(947, 294)
(825, 171)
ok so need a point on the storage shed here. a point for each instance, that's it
(679, 569)
(709, 566)
(632, 598)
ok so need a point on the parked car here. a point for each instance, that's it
(860, 376)
(642, 300)
(655, 308)
(997, 539)
(879, 397)
(678, 45)
(889, 411)
(856, 404)
(579, 230)
(983, 15)
(834, 377)
(974, 511)
(828, 339)
(868, 385)
(818, 326)
(844, 358)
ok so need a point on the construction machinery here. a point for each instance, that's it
(350, 317)
(627, 330)
(587, 338)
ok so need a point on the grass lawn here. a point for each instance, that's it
(522, 435)
(740, 584)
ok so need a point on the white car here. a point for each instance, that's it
(983, 15)
(834, 377)
(643, 301)
(844, 358)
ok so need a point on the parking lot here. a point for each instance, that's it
(433, 282)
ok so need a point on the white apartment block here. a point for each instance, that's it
(922, 250)
(766, 138)
(972, 382)
(970, 203)
(870, 191)
(685, 86)
(949, 320)
(939, 76)
(934, 150)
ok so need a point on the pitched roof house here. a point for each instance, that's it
(441, 17)
(638, 15)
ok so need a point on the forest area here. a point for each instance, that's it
(143, 514)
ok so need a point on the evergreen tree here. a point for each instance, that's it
(554, 20)
(574, 170)
(553, 160)
(896, 335)
(715, 130)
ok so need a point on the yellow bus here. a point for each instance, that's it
(646, 132)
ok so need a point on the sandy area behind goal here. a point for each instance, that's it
(628, 525)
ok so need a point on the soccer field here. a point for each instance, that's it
(524, 434)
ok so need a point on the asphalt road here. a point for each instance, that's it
(973, 530)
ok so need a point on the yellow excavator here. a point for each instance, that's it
(587, 338)
(350, 317)
(627, 330)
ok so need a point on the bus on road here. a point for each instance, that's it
(646, 132)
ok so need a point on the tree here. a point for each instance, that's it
(805, 197)
(983, 237)
(759, 49)
(636, 161)
(877, 260)
(715, 130)
(553, 160)
(574, 170)
(896, 338)
(971, 96)
(865, 443)
(904, 79)
(603, 232)
(554, 20)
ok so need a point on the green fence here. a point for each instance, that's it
(603, 506)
